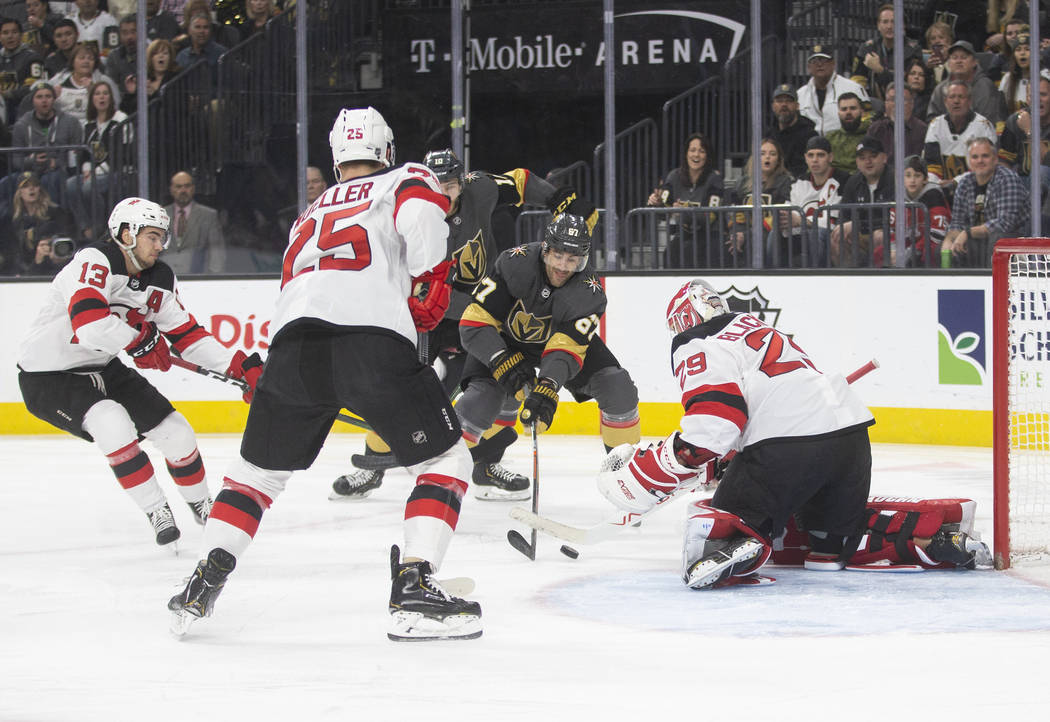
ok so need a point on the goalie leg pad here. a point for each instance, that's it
(718, 546)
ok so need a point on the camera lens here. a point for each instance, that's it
(63, 247)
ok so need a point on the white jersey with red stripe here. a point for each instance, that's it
(91, 308)
(744, 382)
(352, 255)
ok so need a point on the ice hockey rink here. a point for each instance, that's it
(300, 630)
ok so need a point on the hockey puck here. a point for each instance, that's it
(569, 551)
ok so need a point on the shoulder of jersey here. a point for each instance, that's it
(704, 330)
(520, 255)
(590, 283)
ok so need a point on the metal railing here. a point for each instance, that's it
(637, 163)
(577, 175)
(183, 124)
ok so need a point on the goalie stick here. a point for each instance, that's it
(243, 386)
(621, 519)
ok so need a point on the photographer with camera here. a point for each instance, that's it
(41, 230)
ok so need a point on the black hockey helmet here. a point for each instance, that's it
(568, 233)
(445, 164)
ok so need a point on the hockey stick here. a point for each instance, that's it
(621, 519)
(243, 386)
(514, 536)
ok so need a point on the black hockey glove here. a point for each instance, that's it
(512, 371)
(567, 200)
(540, 405)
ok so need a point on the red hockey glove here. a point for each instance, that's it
(431, 294)
(249, 368)
(149, 350)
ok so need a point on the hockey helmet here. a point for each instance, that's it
(361, 134)
(693, 304)
(137, 213)
(568, 233)
(445, 164)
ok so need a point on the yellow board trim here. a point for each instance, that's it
(948, 427)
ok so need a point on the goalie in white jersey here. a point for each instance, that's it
(344, 334)
(112, 296)
(801, 436)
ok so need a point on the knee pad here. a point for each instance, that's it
(454, 462)
(173, 436)
(614, 390)
(268, 482)
(110, 426)
(479, 405)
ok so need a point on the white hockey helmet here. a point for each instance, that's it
(137, 213)
(361, 134)
(693, 304)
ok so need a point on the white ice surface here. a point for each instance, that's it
(300, 631)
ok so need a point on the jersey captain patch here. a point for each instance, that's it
(470, 260)
(526, 327)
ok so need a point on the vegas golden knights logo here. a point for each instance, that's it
(470, 260)
(525, 327)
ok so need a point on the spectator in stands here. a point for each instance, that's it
(949, 135)
(872, 183)
(35, 223)
(1003, 45)
(939, 38)
(1014, 82)
(818, 188)
(65, 37)
(119, 8)
(110, 140)
(160, 68)
(45, 126)
(818, 99)
(695, 183)
(197, 245)
(175, 7)
(120, 63)
(256, 13)
(71, 86)
(990, 203)
(40, 27)
(93, 24)
(223, 34)
(1016, 141)
(872, 67)
(20, 67)
(315, 183)
(967, 19)
(917, 81)
(776, 190)
(790, 129)
(853, 126)
(914, 129)
(202, 47)
(985, 97)
(160, 23)
(923, 230)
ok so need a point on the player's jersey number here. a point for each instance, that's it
(772, 363)
(349, 244)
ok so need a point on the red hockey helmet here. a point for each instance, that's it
(693, 304)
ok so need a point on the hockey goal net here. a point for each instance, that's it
(1021, 400)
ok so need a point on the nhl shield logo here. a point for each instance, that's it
(752, 302)
(419, 437)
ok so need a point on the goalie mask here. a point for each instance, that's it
(568, 233)
(445, 164)
(693, 304)
(361, 134)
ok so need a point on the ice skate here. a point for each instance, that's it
(421, 610)
(163, 522)
(198, 598)
(355, 486)
(200, 509)
(495, 482)
(716, 568)
(951, 547)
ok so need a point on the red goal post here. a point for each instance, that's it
(1021, 399)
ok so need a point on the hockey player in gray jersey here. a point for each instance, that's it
(115, 296)
(541, 308)
(473, 245)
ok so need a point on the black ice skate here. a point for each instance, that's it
(357, 485)
(951, 547)
(495, 482)
(200, 509)
(716, 569)
(163, 522)
(198, 598)
(421, 610)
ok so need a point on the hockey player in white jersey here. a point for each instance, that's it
(112, 296)
(801, 436)
(344, 334)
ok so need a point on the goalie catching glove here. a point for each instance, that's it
(149, 349)
(540, 406)
(248, 368)
(637, 479)
(431, 294)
